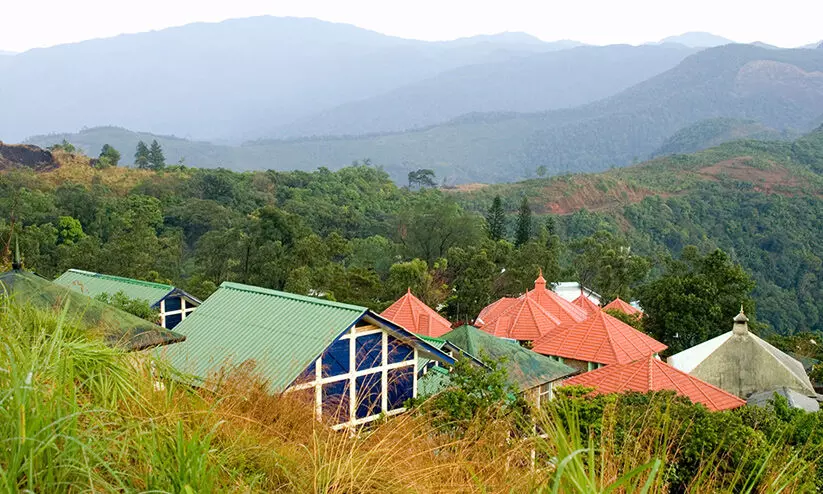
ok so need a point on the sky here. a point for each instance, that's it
(26, 24)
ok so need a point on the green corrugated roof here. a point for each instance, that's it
(435, 342)
(93, 284)
(118, 327)
(434, 381)
(525, 368)
(280, 332)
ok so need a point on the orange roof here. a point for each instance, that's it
(621, 305)
(651, 374)
(601, 338)
(530, 316)
(523, 320)
(411, 313)
(586, 304)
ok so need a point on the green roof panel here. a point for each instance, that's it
(118, 327)
(93, 284)
(525, 368)
(280, 333)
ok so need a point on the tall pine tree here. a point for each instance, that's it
(524, 223)
(141, 155)
(496, 220)
(156, 159)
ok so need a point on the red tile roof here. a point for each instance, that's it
(586, 304)
(651, 374)
(621, 305)
(530, 316)
(601, 338)
(411, 313)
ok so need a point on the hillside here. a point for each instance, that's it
(712, 132)
(545, 81)
(236, 79)
(698, 39)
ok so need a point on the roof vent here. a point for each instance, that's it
(740, 323)
(540, 282)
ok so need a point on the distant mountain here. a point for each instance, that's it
(712, 132)
(698, 39)
(237, 79)
(783, 89)
(540, 82)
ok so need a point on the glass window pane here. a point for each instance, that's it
(400, 386)
(335, 359)
(369, 394)
(307, 376)
(398, 351)
(173, 320)
(336, 401)
(368, 351)
(172, 303)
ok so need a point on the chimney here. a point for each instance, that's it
(740, 323)
(540, 282)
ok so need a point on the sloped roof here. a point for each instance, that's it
(417, 317)
(531, 316)
(525, 368)
(795, 399)
(119, 328)
(586, 304)
(93, 284)
(742, 363)
(280, 332)
(601, 338)
(622, 305)
(651, 374)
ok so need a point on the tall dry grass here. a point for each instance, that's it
(77, 416)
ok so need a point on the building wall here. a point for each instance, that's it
(174, 309)
(364, 373)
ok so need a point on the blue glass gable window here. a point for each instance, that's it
(368, 351)
(336, 401)
(172, 304)
(398, 351)
(173, 320)
(336, 359)
(369, 392)
(400, 386)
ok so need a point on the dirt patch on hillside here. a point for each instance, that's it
(763, 179)
(466, 187)
(597, 196)
(26, 156)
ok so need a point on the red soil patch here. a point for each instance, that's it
(587, 195)
(763, 179)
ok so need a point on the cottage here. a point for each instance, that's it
(743, 364)
(119, 328)
(353, 364)
(174, 304)
(533, 315)
(652, 374)
(411, 313)
(531, 373)
(599, 340)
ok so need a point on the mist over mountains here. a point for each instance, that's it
(304, 93)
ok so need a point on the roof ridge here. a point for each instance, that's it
(302, 298)
(693, 380)
(112, 277)
(617, 325)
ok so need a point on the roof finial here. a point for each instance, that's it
(408, 290)
(741, 322)
(16, 263)
(540, 282)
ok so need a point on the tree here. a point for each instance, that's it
(65, 146)
(138, 307)
(607, 265)
(524, 223)
(108, 157)
(496, 220)
(156, 159)
(141, 156)
(69, 230)
(696, 299)
(541, 171)
(427, 284)
(423, 177)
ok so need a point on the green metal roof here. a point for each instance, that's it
(282, 333)
(432, 382)
(118, 327)
(525, 368)
(93, 284)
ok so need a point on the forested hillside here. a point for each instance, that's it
(354, 235)
(779, 89)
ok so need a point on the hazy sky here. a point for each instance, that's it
(27, 24)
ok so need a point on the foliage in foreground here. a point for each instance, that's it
(78, 416)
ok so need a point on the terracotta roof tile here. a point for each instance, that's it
(622, 305)
(586, 304)
(651, 374)
(601, 338)
(411, 313)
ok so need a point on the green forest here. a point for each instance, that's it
(735, 224)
